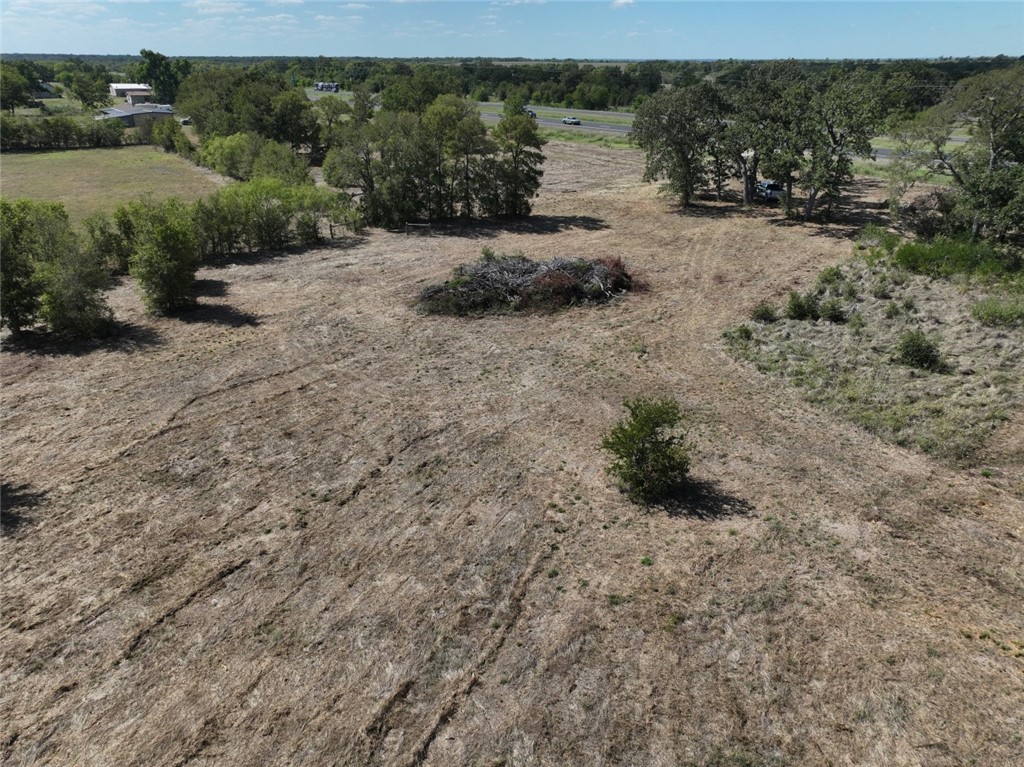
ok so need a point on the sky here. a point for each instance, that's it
(537, 29)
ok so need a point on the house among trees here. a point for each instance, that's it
(122, 91)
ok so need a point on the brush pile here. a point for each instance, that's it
(498, 283)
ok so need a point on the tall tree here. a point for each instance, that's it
(15, 88)
(675, 129)
(844, 112)
(163, 74)
(519, 165)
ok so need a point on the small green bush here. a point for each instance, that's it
(764, 312)
(919, 351)
(802, 306)
(833, 311)
(651, 459)
(830, 279)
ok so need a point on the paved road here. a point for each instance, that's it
(591, 120)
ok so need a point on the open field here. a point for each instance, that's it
(305, 524)
(91, 180)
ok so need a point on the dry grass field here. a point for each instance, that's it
(305, 524)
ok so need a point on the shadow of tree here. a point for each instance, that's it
(211, 288)
(492, 227)
(15, 502)
(217, 314)
(704, 499)
(124, 337)
(342, 242)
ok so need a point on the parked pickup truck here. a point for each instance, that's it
(769, 191)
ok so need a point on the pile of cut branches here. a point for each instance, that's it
(499, 282)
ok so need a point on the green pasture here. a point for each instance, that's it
(91, 180)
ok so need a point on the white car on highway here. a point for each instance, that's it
(571, 120)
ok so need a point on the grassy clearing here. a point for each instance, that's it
(91, 180)
(855, 361)
(880, 169)
(606, 140)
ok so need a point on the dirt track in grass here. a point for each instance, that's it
(305, 524)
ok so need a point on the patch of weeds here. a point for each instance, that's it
(892, 311)
(768, 599)
(673, 620)
(878, 238)
(553, 572)
(743, 334)
(647, 561)
(999, 312)
(618, 599)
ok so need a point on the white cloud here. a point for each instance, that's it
(215, 6)
(622, 3)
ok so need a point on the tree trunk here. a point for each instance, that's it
(812, 196)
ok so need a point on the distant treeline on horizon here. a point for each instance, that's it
(572, 83)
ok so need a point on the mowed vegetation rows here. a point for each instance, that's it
(305, 521)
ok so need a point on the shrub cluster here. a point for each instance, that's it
(651, 459)
(51, 274)
(45, 273)
(513, 283)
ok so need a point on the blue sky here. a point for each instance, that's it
(611, 29)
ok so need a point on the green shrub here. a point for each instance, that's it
(764, 312)
(20, 288)
(802, 307)
(166, 257)
(651, 460)
(833, 311)
(999, 312)
(830, 279)
(919, 351)
(46, 274)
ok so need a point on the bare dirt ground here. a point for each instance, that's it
(306, 525)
